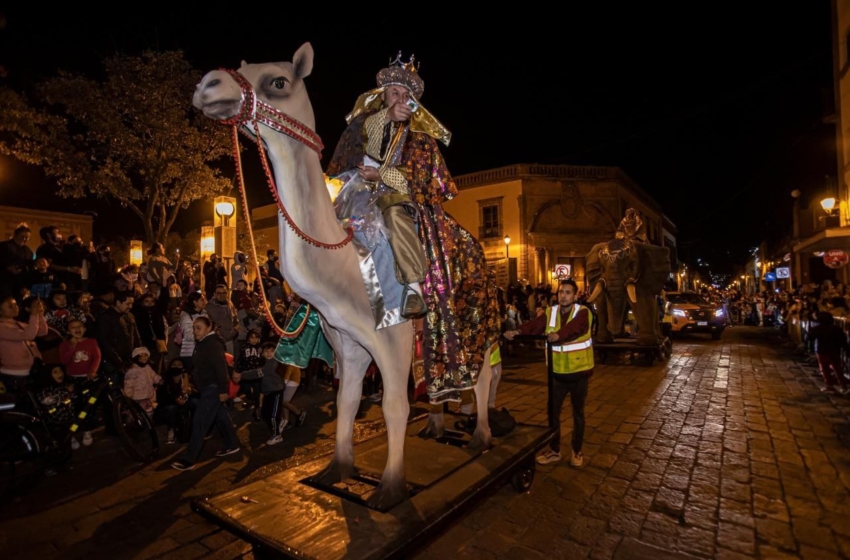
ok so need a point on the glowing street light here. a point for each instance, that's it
(507, 244)
(136, 252)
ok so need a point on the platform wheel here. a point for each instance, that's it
(523, 477)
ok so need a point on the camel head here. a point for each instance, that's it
(279, 84)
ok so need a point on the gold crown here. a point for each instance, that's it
(402, 74)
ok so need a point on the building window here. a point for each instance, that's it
(490, 215)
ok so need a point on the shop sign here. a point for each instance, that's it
(835, 258)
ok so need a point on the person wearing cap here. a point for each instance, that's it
(141, 380)
(391, 142)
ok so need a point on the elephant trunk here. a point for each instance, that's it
(597, 291)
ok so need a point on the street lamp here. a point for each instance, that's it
(136, 252)
(828, 204)
(224, 209)
(507, 243)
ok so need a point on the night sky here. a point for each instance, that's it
(714, 110)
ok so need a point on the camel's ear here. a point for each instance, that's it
(303, 61)
(244, 64)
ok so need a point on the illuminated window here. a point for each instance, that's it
(490, 215)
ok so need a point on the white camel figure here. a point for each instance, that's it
(273, 97)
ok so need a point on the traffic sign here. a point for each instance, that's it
(563, 271)
(783, 272)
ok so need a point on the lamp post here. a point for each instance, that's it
(507, 240)
(224, 223)
(207, 249)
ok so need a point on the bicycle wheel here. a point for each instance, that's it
(135, 430)
(21, 463)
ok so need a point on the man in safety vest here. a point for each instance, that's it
(568, 325)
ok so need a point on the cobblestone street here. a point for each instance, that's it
(727, 450)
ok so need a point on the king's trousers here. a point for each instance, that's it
(410, 262)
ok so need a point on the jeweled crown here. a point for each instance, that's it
(402, 74)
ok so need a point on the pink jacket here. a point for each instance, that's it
(139, 382)
(17, 344)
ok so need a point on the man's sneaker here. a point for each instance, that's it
(226, 452)
(577, 459)
(170, 437)
(237, 400)
(548, 456)
(301, 418)
(87, 439)
(274, 440)
(75, 444)
(182, 465)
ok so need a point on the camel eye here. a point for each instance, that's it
(279, 82)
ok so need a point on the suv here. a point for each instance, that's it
(688, 312)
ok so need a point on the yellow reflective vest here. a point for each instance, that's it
(577, 355)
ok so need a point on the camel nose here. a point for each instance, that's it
(206, 87)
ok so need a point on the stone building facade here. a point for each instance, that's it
(552, 215)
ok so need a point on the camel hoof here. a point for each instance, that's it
(388, 496)
(333, 473)
(434, 428)
(479, 441)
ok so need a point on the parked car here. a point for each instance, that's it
(689, 312)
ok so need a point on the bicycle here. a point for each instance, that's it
(27, 443)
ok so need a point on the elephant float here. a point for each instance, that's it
(627, 272)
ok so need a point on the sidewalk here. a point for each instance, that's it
(728, 450)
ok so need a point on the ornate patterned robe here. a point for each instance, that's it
(462, 321)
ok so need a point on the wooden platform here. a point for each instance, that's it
(630, 346)
(287, 516)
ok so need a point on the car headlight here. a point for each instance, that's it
(679, 313)
(718, 313)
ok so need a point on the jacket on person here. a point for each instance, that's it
(117, 336)
(140, 382)
(209, 365)
(223, 316)
(187, 342)
(17, 347)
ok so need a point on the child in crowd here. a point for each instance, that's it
(272, 388)
(59, 312)
(140, 381)
(80, 355)
(55, 398)
(172, 398)
(830, 340)
(249, 366)
(41, 279)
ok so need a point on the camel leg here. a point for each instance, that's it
(481, 437)
(352, 360)
(391, 359)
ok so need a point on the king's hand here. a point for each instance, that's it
(398, 112)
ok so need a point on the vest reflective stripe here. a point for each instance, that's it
(571, 347)
(577, 356)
